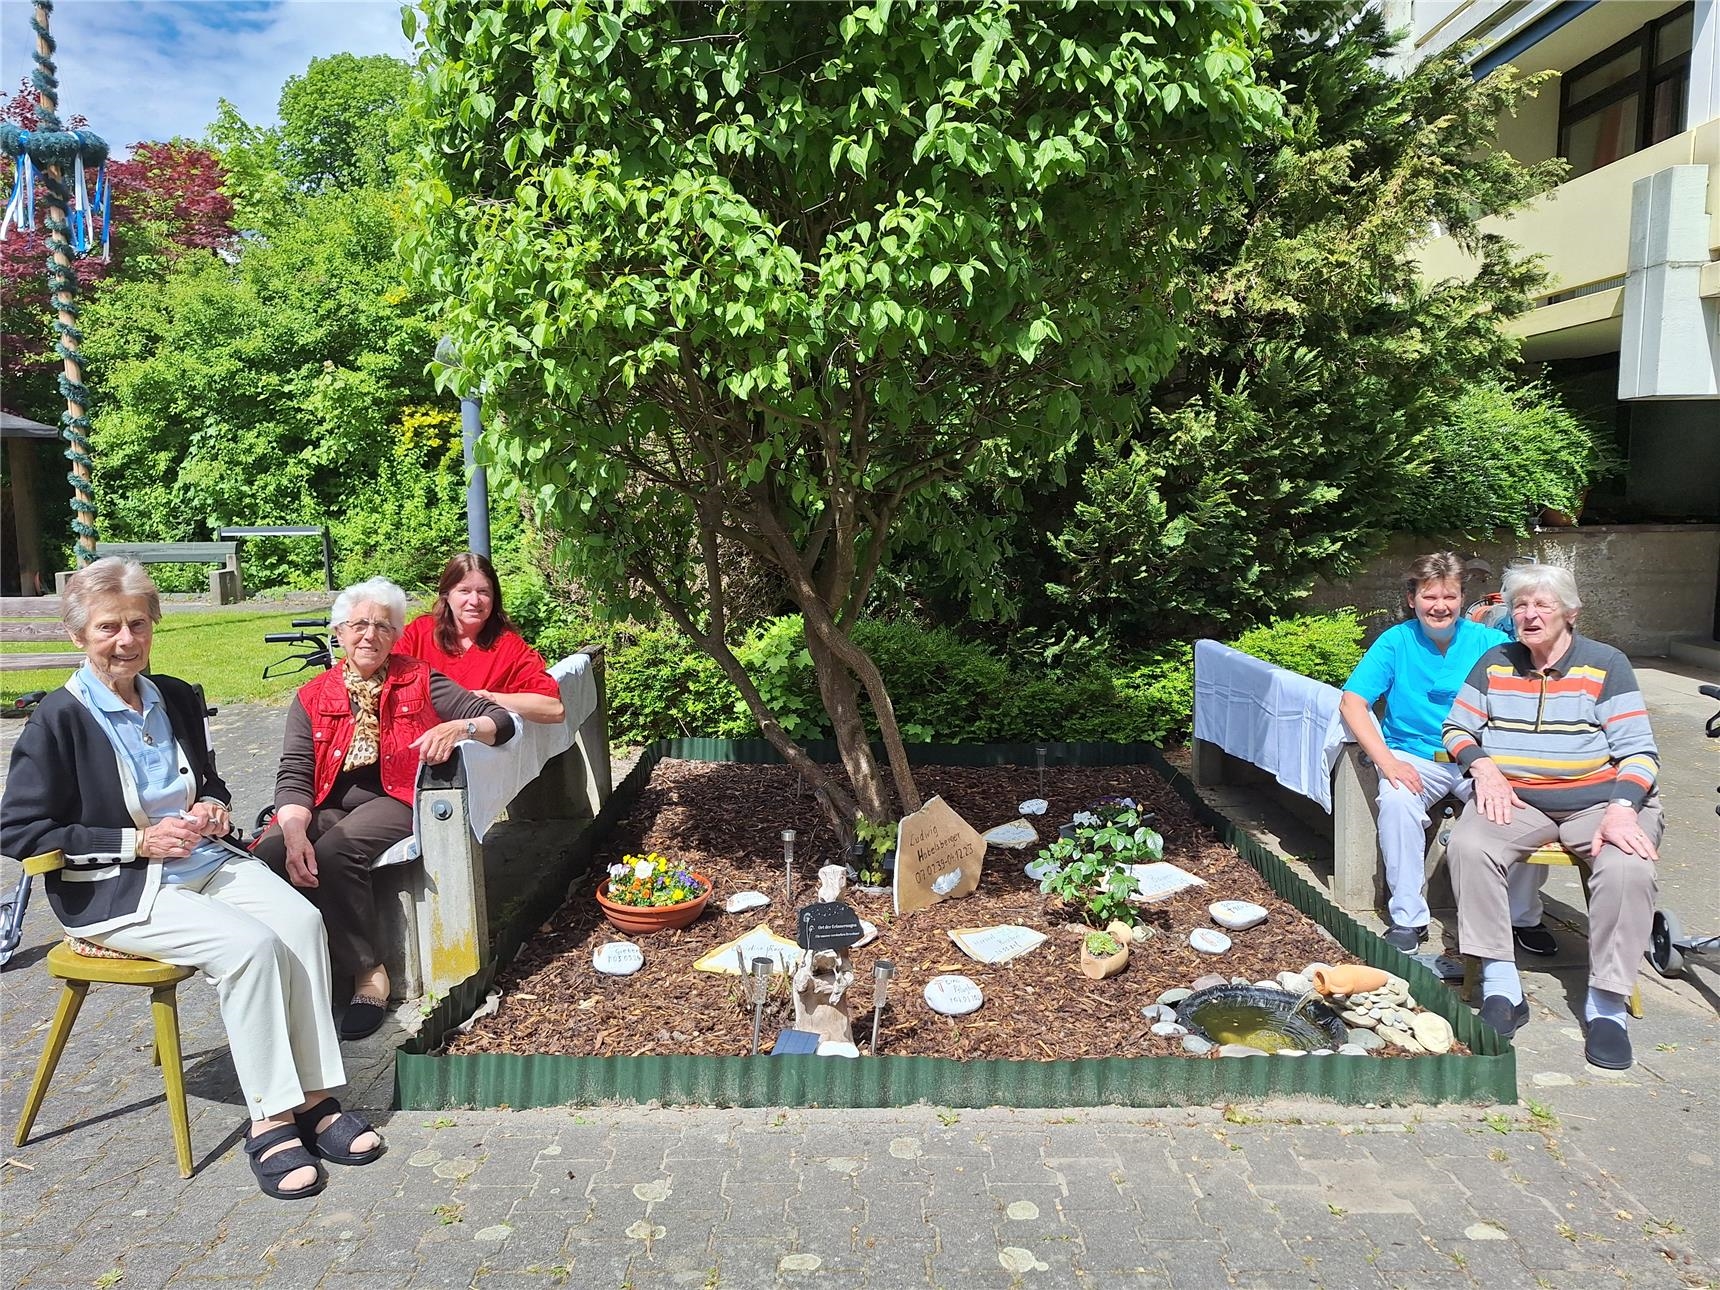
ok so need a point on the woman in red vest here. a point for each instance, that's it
(349, 767)
(468, 637)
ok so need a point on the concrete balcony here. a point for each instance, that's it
(1581, 230)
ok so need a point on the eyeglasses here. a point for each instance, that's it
(364, 626)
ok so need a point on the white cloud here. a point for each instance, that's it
(154, 69)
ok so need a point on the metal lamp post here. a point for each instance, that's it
(477, 478)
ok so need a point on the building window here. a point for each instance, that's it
(1627, 97)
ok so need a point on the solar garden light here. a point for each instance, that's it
(882, 971)
(788, 864)
(758, 985)
(1039, 757)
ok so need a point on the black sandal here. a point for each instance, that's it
(269, 1171)
(364, 1017)
(334, 1143)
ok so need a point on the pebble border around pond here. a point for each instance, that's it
(424, 1080)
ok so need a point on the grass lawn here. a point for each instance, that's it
(224, 652)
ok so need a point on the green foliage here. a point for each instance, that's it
(949, 690)
(879, 839)
(1091, 873)
(1318, 368)
(772, 277)
(1326, 647)
(1500, 455)
(279, 389)
(343, 122)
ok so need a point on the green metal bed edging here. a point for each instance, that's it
(425, 1081)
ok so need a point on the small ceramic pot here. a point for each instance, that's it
(1096, 967)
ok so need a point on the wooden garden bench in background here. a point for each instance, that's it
(34, 630)
(226, 586)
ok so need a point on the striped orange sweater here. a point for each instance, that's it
(1574, 736)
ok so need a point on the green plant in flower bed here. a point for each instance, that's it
(651, 881)
(1102, 944)
(878, 839)
(1092, 867)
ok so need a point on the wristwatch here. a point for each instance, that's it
(471, 730)
(1622, 801)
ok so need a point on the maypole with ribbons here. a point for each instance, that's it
(76, 222)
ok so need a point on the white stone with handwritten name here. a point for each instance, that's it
(1015, 835)
(1208, 941)
(1236, 915)
(1034, 806)
(760, 943)
(1162, 879)
(998, 944)
(618, 958)
(953, 996)
(1040, 870)
(742, 901)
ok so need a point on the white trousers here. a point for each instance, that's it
(263, 946)
(1403, 845)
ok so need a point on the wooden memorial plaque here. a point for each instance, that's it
(938, 857)
(828, 925)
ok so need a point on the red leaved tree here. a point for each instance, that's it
(167, 201)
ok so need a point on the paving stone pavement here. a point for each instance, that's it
(1291, 1194)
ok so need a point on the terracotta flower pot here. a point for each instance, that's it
(641, 920)
(1347, 979)
(1096, 967)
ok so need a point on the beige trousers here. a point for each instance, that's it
(262, 944)
(1621, 886)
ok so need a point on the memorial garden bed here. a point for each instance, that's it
(1045, 1035)
(725, 821)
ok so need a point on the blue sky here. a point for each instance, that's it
(153, 69)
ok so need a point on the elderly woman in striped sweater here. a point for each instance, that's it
(1554, 733)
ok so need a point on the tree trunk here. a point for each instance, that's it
(842, 703)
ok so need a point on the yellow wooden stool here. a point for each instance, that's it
(1551, 854)
(79, 972)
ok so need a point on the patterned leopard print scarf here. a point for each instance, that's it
(366, 737)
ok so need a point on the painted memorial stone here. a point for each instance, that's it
(836, 1048)
(1015, 835)
(1161, 879)
(742, 901)
(1208, 941)
(1034, 806)
(868, 934)
(997, 944)
(1236, 915)
(828, 925)
(760, 943)
(1040, 870)
(938, 857)
(953, 996)
(618, 958)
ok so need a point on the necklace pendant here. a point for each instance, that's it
(148, 739)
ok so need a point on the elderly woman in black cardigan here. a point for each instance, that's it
(114, 770)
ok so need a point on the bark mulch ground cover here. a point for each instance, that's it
(725, 820)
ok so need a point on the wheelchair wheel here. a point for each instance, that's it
(1663, 944)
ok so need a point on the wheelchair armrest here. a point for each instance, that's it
(47, 862)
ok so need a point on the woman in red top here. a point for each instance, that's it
(468, 637)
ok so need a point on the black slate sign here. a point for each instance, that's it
(828, 925)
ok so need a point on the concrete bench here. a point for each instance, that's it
(226, 586)
(1341, 797)
(435, 915)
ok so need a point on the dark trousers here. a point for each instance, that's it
(356, 823)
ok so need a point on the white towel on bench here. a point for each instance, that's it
(495, 776)
(1281, 721)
